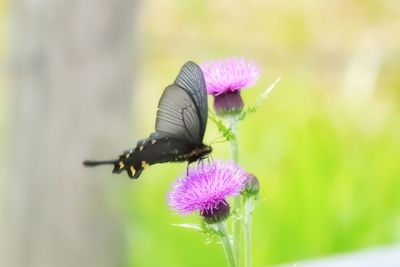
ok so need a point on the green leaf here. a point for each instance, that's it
(225, 131)
(210, 230)
(193, 226)
(260, 99)
(236, 215)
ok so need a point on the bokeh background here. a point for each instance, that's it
(325, 145)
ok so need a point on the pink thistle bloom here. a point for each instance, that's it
(206, 188)
(229, 75)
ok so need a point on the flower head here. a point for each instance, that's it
(206, 188)
(229, 75)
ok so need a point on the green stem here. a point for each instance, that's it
(237, 229)
(249, 207)
(237, 222)
(227, 244)
(234, 149)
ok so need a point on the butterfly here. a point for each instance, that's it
(180, 125)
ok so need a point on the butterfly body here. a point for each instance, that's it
(180, 126)
(152, 151)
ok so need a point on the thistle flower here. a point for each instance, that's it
(229, 75)
(206, 188)
(225, 79)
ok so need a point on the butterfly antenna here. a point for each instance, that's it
(93, 163)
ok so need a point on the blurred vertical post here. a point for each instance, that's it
(69, 91)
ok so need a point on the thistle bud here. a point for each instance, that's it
(251, 186)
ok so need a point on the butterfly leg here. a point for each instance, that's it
(187, 167)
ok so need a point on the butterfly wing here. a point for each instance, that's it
(178, 115)
(189, 116)
(191, 79)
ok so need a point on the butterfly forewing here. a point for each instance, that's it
(177, 115)
(191, 79)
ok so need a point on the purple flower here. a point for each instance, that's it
(206, 188)
(229, 75)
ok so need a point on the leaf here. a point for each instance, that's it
(236, 214)
(211, 231)
(193, 226)
(226, 132)
(260, 99)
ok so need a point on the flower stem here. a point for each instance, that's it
(237, 222)
(237, 229)
(227, 244)
(234, 149)
(249, 207)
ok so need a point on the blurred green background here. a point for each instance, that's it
(325, 145)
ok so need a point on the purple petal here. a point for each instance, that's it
(229, 75)
(206, 186)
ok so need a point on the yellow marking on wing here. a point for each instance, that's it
(127, 155)
(121, 164)
(153, 142)
(141, 148)
(145, 164)
(133, 171)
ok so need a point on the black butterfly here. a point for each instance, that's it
(180, 126)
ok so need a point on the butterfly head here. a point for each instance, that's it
(204, 151)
